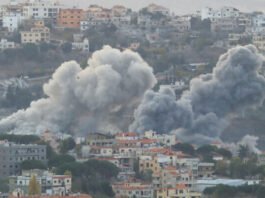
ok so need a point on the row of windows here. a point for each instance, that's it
(72, 23)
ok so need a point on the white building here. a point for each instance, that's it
(50, 184)
(41, 9)
(12, 20)
(258, 23)
(82, 45)
(224, 12)
(121, 20)
(5, 44)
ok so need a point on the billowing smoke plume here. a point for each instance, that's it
(83, 100)
(203, 112)
(251, 143)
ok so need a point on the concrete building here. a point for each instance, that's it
(154, 9)
(258, 23)
(12, 20)
(180, 190)
(133, 189)
(224, 12)
(38, 34)
(82, 45)
(227, 25)
(70, 18)
(259, 41)
(11, 155)
(50, 184)
(182, 24)
(41, 9)
(205, 170)
(5, 44)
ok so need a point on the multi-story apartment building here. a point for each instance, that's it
(41, 9)
(224, 12)
(12, 20)
(38, 34)
(11, 156)
(50, 184)
(228, 25)
(258, 23)
(205, 170)
(259, 41)
(180, 190)
(70, 18)
(133, 189)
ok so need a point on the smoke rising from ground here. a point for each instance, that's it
(83, 100)
(203, 112)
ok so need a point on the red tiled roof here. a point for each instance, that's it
(127, 134)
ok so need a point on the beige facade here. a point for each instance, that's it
(38, 34)
(149, 163)
(179, 191)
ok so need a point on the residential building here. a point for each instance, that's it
(258, 23)
(121, 20)
(41, 9)
(154, 9)
(182, 24)
(100, 139)
(119, 10)
(227, 25)
(224, 12)
(38, 34)
(127, 136)
(205, 170)
(82, 45)
(50, 183)
(149, 163)
(11, 156)
(70, 18)
(178, 191)
(259, 41)
(12, 20)
(235, 38)
(5, 44)
(133, 189)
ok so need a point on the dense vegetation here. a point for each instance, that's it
(222, 191)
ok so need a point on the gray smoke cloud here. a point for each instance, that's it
(203, 112)
(85, 100)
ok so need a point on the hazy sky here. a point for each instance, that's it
(178, 6)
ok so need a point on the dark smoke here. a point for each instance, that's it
(86, 100)
(234, 86)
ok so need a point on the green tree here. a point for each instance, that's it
(31, 51)
(67, 145)
(222, 168)
(243, 151)
(58, 160)
(66, 47)
(34, 186)
(33, 164)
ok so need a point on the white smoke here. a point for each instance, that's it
(86, 100)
